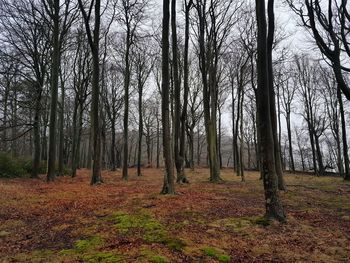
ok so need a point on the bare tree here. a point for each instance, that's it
(274, 208)
(168, 187)
(94, 40)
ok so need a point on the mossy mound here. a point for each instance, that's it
(86, 250)
(144, 226)
(216, 253)
(154, 257)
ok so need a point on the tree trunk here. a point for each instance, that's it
(158, 141)
(55, 64)
(209, 97)
(183, 177)
(273, 205)
(168, 186)
(291, 158)
(277, 149)
(140, 130)
(321, 169)
(113, 154)
(36, 130)
(126, 109)
(344, 138)
(61, 130)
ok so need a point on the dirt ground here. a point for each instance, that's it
(70, 221)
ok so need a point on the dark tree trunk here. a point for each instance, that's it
(126, 109)
(158, 141)
(321, 169)
(169, 186)
(183, 177)
(94, 41)
(61, 130)
(36, 131)
(291, 158)
(113, 154)
(55, 64)
(344, 138)
(140, 88)
(274, 208)
(277, 149)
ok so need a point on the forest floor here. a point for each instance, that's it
(70, 221)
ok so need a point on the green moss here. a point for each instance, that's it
(86, 250)
(263, 221)
(4, 234)
(36, 256)
(175, 244)
(147, 228)
(101, 257)
(88, 244)
(153, 257)
(217, 254)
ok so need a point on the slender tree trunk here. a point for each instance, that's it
(321, 169)
(277, 149)
(95, 121)
(36, 129)
(291, 158)
(61, 130)
(55, 64)
(344, 137)
(4, 135)
(312, 142)
(113, 155)
(273, 205)
(209, 70)
(158, 142)
(183, 177)
(169, 186)
(241, 146)
(126, 109)
(219, 139)
(140, 130)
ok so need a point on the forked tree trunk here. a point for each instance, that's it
(274, 208)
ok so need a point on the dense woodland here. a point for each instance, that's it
(109, 85)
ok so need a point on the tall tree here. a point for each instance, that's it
(215, 20)
(168, 186)
(328, 24)
(273, 205)
(60, 26)
(270, 41)
(94, 40)
(289, 87)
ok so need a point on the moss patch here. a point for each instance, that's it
(101, 257)
(144, 226)
(153, 257)
(216, 253)
(88, 244)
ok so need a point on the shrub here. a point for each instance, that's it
(10, 167)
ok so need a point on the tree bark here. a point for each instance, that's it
(344, 137)
(168, 186)
(273, 205)
(55, 66)
(277, 150)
